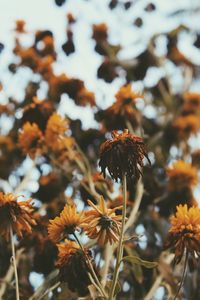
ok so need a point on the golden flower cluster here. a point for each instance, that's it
(99, 223)
(184, 233)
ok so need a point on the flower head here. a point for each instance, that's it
(68, 221)
(56, 127)
(30, 139)
(15, 214)
(73, 267)
(122, 110)
(185, 126)
(38, 111)
(184, 233)
(20, 24)
(102, 223)
(123, 155)
(181, 175)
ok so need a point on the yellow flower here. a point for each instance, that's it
(185, 231)
(15, 214)
(181, 175)
(56, 127)
(185, 126)
(102, 223)
(68, 221)
(30, 139)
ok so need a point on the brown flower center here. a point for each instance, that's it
(105, 222)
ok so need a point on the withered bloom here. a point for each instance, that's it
(30, 139)
(102, 223)
(73, 267)
(15, 214)
(122, 155)
(184, 233)
(68, 221)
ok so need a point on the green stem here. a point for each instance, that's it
(14, 263)
(93, 274)
(120, 246)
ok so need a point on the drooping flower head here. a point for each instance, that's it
(15, 214)
(73, 267)
(30, 139)
(102, 223)
(181, 175)
(122, 155)
(184, 233)
(68, 221)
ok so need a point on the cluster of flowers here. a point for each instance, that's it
(53, 233)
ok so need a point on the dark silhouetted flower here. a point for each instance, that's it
(122, 155)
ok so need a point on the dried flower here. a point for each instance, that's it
(68, 221)
(17, 214)
(123, 155)
(102, 223)
(185, 231)
(181, 175)
(30, 139)
(73, 267)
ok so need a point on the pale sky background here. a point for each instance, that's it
(44, 14)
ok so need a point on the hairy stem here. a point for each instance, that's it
(120, 246)
(14, 263)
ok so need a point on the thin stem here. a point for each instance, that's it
(96, 280)
(107, 256)
(120, 246)
(183, 276)
(14, 263)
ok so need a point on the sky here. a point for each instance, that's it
(44, 14)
